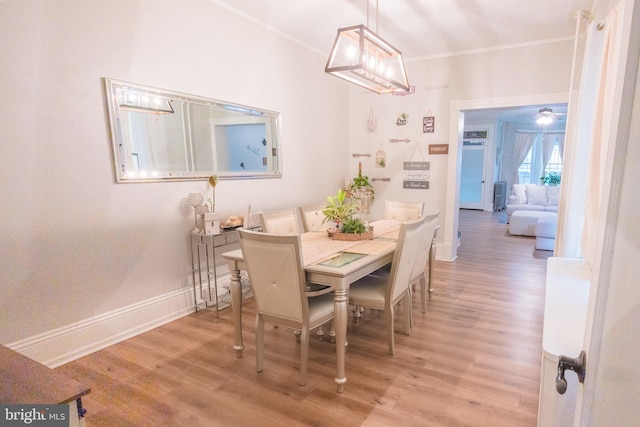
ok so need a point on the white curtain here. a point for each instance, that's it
(600, 136)
(548, 142)
(560, 144)
(524, 141)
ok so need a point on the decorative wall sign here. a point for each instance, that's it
(428, 123)
(372, 123)
(395, 140)
(416, 174)
(361, 155)
(402, 119)
(381, 179)
(438, 148)
(381, 157)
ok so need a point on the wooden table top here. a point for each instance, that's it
(25, 381)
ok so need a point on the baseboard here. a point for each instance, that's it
(59, 346)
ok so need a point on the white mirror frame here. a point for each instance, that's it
(136, 127)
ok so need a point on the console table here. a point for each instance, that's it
(27, 382)
(203, 265)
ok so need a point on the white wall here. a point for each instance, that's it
(502, 74)
(75, 245)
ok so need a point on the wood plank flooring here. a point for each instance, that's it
(472, 360)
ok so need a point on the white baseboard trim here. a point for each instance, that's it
(62, 345)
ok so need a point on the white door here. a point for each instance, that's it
(612, 382)
(473, 172)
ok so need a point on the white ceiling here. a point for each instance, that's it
(424, 28)
(419, 28)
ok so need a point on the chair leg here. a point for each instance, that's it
(357, 313)
(432, 258)
(390, 315)
(407, 314)
(423, 293)
(259, 343)
(304, 354)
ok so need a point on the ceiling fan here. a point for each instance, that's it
(546, 116)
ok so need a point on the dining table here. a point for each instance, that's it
(336, 263)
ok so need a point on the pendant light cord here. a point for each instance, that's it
(376, 15)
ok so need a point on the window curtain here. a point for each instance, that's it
(548, 142)
(600, 135)
(524, 141)
(560, 144)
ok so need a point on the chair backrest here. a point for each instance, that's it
(403, 211)
(422, 254)
(409, 239)
(276, 273)
(280, 222)
(312, 218)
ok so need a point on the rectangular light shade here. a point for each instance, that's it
(361, 57)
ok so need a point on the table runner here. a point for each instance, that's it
(317, 246)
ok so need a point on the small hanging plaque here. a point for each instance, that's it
(428, 123)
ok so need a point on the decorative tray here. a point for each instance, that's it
(337, 235)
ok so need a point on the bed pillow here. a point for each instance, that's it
(520, 192)
(537, 195)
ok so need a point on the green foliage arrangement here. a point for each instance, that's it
(337, 210)
(552, 178)
(354, 225)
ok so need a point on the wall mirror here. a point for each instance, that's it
(162, 135)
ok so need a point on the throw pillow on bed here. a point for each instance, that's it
(537, 195)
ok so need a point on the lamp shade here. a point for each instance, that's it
(362, 57)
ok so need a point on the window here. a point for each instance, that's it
(533, 162)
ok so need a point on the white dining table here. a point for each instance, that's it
(327, 262)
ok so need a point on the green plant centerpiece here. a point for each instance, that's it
(551, 178)
(341, 212)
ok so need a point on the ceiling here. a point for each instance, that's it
(423, 29)
(419, 28)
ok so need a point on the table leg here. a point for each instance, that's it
(340, 321)
(236, 306)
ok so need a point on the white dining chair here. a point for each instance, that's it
(432, 259)
(403, 211)
(384, 293)
(313, 218)
(277, 277)
(422, 269)
(283, 221)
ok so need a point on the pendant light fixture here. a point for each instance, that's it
(362, 57)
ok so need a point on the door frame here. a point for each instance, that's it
(449, 250)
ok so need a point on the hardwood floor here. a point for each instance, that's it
(472, 360)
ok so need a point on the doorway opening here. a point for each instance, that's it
(505, 117)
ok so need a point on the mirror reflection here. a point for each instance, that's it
(163, 135)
